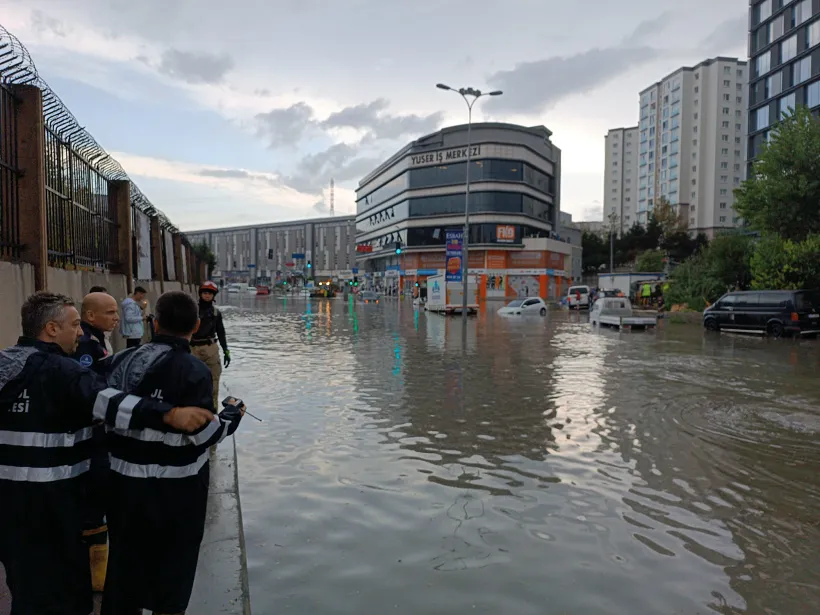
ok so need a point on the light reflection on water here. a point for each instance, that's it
(537, 467)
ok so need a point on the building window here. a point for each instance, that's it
(726, 82)
(726, 124)
(774, 85)
(737, 140)
(727, 98)
(813, 95)
(723, 205)
(761, 118)
(724, 138)
(724, 165)
(694, 169)
(764, 10)
(737, 153)
(725, 110)
(813, 34)
(788, 48)
(724, 179)
(722, 219)
(776, 28)
(727, 70)
(724, 151)
(736, 181)
(723, 192)
(737, 113)
(737, 167)
(696, 116)
(739, 87)
(785, 104)
(739, 100)
(802, 12)
(763, 63)
(802, 70)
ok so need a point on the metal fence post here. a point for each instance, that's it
(31, 184)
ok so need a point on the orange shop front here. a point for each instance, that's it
(503, 274)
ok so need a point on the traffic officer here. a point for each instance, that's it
(160, 479)
(211, 329)
(48, 402)
(100, 315)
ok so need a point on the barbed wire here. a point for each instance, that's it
(17, 68)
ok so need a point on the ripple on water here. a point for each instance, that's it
(661, 473)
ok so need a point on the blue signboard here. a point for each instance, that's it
(355, 270)
(251, 266)
(453, 264)
(297, 255)
(393, 268)
(427, 272)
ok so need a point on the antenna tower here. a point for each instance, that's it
(332, 198)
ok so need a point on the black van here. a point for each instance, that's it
(776, 312)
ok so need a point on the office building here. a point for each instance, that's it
(621, 177)
(784, 51)
(417, 196)
(263, 252)
(570, 233)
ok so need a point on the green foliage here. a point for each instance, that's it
(710, 272)
(595, 252)
(786, 264)
(782, 196)
(203, 252)
(649, 261)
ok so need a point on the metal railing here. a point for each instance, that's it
(80, 220)
(9, 175)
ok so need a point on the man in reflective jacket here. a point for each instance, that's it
(47, 405)
(100, 315)
(159, 477)
(211, 329)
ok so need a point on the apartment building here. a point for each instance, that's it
(621, 177)
(691, 143)
(784, 47)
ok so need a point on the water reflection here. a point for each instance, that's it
(541, 467)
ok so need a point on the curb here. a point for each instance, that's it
(221, 585)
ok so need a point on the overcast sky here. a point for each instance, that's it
(238, 112)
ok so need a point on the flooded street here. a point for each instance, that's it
(543, 468)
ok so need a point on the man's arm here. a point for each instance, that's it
(131, 313)
(220, 332)
(224, 424)
(88, 392)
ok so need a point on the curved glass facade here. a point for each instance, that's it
(490, 169)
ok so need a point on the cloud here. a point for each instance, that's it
(339, 162)
(286, 126)
(225, 173)
(646, 29)
(44, 24)
(728, 36)
(195, 67)
(371, 118)
(531, 87)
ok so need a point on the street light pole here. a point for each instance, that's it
(473, 95)
(612, 243)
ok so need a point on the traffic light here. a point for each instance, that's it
(350, 283)
(270, 254)
(417, 284)
(310, 265)
(355, 281)
(398, 247)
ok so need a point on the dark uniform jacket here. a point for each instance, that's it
(159, 481)
(91, 353)
(210, 326)
(47, 405)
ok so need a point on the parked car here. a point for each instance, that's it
(524, 307)
(368, 296)
(774, 312)
(578, 297)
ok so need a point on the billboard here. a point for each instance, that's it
(142, 230)
(452, 254)
(505, 233)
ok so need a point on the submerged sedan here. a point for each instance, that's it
(525, 307)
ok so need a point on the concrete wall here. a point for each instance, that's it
(17, 282)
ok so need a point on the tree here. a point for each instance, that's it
(782, 196)
(649, 261)
(786, 264)
(595, 252)
(667, 217)
(203, 251)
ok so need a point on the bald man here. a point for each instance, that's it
(99, 315)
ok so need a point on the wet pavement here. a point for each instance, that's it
(538, 467)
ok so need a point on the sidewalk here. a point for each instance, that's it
(221, 584)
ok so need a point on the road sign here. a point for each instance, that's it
(251, 266)
(355, 270)
(297, 255)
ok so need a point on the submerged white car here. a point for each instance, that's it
(524, 307)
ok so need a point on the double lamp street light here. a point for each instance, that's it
(470, 96)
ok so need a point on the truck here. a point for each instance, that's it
(447, 297)
(617, 312)
(625, 281)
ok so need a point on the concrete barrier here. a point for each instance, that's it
(17, 283)
(221, 585)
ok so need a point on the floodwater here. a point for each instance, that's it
(539, 467)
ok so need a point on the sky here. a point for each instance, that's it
(241, 112)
